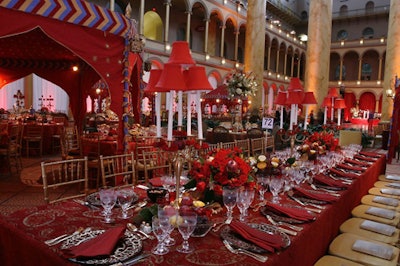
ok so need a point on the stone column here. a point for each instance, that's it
(341, 69)
(141, 17)
(236, 44)
(188, 26)
(167, 4)
(359, 69)
(206, 36)
(222, 41)
(254, 45)
(380, 68)
(392, 62)
(318, 49)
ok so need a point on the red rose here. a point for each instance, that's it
(201, 186)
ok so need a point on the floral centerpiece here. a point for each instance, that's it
(225, 167)
(261, 165)
(241, 84)
(323, 140)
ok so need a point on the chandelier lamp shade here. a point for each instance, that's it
(308, 100)
(171, 79)
(295, 85)
(180, 54)
(332, 93)
(196, 79)
(339, 105)
(154, 77)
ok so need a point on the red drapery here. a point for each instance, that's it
(367, 102)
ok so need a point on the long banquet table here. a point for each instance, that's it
(22, 233)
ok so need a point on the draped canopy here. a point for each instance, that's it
(49, 37)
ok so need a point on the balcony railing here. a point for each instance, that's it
(378, 10)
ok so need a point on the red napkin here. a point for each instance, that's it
(296, 213)
(344, 174)
(102, 245)
(317, 196)
(323, 179)
(365, 164)
(262, 239)
(371, 154)
(349, 167)
(365, 158)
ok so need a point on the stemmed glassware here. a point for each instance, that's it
(124, 199)
(165, 215)
(108, 198)
(229, 197)
(275, 186)
(244, 199)
(186, 225)
(262, 182)
(168, 183)
(160, 234)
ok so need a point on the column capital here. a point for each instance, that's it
(167, 3)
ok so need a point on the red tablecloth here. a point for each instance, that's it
(23, 233)
(361, 121)
(96, 147)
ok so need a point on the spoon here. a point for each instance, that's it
(134, 229)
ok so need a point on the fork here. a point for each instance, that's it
(291, 226)
(228, 221)
(255, 256)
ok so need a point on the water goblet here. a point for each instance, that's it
(124, 199)
(275, 186)
(186, 226)
(262, 182)
(229, 197)
(108, 198)
(160, 248)
(165, 215)
(244, 199)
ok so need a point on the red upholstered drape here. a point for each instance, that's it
(99, 54)
(367, 101)
(350, 101)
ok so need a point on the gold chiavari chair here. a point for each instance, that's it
(227, 145)
(156, 164)
(257, 146)
(117, 169)
(244, 144)
(72, 174)
(33, 139)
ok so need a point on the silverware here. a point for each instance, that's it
(317, 210)
(138, 205)
(258, 206)
(132, 261)
(228, 221)
(325, 190)
(134, 229)
(255, 256)
(87, 204)
(59, 239)
(276, 223)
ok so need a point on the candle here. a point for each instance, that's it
(170, 116)
(199, 118)
(292, 115)
(332, 109)
(281, 122)
(158, 114)
(180, 115)
(306, 117)
(339, 114)
(325, 114)
(88, 104)
(189, 114)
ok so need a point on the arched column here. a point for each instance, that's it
(222, 40)
(380, 68)
(277, 61)
(285, 64)
(269, 58)
(141, 17)
(188, 18)
(292, 67)
(207, 21)
(359, 69)
(341, 69)
(318, 49)
(167, 4)
(237, 32)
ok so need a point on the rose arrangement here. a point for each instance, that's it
(323, 139)
(225, 167)
(180, 144)
(241, 84)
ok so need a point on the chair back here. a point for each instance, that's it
(156, 164)
(34, 132)
(118, 169)
(244, 145)
(71, 143)
(254, 133)
(221, 134)
(228, 145)
(71, 174)
(257, 146)
(269, 142)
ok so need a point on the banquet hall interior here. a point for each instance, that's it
(144, 89)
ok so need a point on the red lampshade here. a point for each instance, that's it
(339, 103)
(153, 79)
(171, 79)
(196, 78)
(295, 85)
(332, 93)
(180, 54)
(309, 98)
(295, 97)
(281, 98)
(327, 102)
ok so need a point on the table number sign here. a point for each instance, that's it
(268, 123)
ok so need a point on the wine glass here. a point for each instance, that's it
(275, 186)
(262, 182)
(186, 226)
(168, 183)
(160, 234)
(108, 198)
(244, 199)
(229, 197)
(165, 214)
(124, 199)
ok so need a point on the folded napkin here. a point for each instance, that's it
(391, 191)
(386, 201)
(364, 158)
(371, 154)
(379, 228)
(295, 213)
(394, 185)
(373, 249)
(344, 174)
(101, 245)
(323, 179)
(393, 177)
(365, 164)
(316, 195)
(380, 212)
(264, 240)
(352, 168)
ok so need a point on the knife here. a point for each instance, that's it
(303, 204)
(132, 261)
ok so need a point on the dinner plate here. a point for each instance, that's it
(94, 199)
(281, 217)
(130, 245)
(237, 241)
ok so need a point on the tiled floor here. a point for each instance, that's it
(16, 195)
